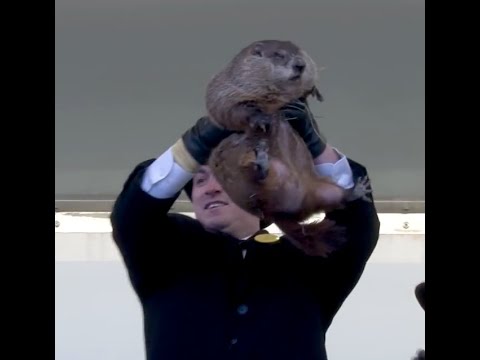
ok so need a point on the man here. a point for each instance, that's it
(208, 289)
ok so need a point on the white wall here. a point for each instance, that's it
(98, 317)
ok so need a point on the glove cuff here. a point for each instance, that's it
(183, 157)
(196, 144)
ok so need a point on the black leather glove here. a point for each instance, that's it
(201, 138)
(298, 114)
(196, 144)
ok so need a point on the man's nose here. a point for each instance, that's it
(212, 191)
(212, 187)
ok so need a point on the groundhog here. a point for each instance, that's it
(258, 81)
(266, 168)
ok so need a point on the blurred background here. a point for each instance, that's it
(130, 78)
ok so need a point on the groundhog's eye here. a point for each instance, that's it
(279, 55)
(257, 50)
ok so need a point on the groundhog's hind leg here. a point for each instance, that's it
(261, 161)
(319, 238)
(359, 191)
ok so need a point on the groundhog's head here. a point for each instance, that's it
(280, 63)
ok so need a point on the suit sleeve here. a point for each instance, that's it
(342, 270)
(141, 229)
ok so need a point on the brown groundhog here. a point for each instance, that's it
(258, 81)
(267, 168)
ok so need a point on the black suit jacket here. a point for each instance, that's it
(202, 300)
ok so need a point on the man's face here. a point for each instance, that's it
(213, 207)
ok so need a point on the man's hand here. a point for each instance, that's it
(301, 119)
(196, 144)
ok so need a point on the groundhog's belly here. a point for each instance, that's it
(237, 166)
(283, 190)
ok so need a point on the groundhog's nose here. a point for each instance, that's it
(299, 65)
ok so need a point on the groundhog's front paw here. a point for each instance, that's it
(261, 122)
(261, 160)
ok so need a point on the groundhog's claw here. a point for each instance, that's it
(360, 190)
(260, 121)
(261, 160)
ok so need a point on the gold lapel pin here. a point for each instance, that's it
(266, 238)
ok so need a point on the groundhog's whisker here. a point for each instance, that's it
(295, 107)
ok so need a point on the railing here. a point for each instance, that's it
(181, 205)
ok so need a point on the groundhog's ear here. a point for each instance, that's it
(257, 49)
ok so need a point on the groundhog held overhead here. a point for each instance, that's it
(267, 169)
(263, 77)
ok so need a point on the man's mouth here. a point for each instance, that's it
(214, 204)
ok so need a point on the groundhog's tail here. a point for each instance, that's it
(318, 238)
